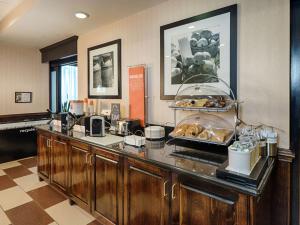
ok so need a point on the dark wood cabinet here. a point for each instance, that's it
(107, 187)
(59, 162)
(43, 159)
(197, 207)
(121, 190)
(146, 195)
(194, 202)
(79, 177)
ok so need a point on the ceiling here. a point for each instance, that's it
(38, 23)
(6, 6)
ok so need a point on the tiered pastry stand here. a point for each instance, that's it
(197, 91)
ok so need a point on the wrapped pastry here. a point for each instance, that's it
(220, 102)
(180, 130)
(219, 135)
(200, 102)
(184, 103)
(204, 135)
(180, 103)
(209, 103)
(193, 130)
(216, 101)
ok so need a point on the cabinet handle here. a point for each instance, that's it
(173, 191)
(165, 192)
(48, 143)
(86, 158)
(91, 160)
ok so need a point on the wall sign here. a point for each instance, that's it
(205, 44)
(137, 93)
(115, 113)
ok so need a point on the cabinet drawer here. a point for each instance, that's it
(105, 153)
(80, 145)
(136, 164)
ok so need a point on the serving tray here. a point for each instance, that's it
(226, 143)
(203, 109)
(251, 180)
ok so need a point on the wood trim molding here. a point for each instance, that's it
(286, 155)
(59, 50)
(22, 117)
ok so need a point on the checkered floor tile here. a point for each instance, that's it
(24, 200)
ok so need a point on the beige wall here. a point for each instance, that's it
(263, 55)
(21, 70)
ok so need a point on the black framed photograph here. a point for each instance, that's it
(23, 97)
(204, 45)
(104, 71)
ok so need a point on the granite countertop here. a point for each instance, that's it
(162, 154)
(22, 124)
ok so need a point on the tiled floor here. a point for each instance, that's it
(24, 200)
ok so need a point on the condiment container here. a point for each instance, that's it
(272, 144)
(76, 107)
(91, 108)
(242, 160)
(263, 147)
(85, 106)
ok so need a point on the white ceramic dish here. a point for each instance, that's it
(154, 132)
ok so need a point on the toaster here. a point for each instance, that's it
(95, 126)
(128, 126)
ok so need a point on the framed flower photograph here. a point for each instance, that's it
(104, 71)
(198, 48)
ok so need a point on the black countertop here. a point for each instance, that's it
(162, 154)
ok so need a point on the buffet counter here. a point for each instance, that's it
(125, 174)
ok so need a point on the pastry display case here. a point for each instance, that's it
(205, 99)
(206, 128)
(202, 97)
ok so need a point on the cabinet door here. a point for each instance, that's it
(79, 173)
(107, 197)
(146, 199)
(43, 155)
(197, 207)
(59, 163)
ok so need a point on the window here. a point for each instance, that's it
(63, 83)
(69, 83)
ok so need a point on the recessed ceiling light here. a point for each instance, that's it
(191, 27)
(81, 15)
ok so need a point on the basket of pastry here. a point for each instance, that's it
(202, 97)
(207, 129)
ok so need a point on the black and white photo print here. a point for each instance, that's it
(104, 70)
(193, 53)
(199, 50)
